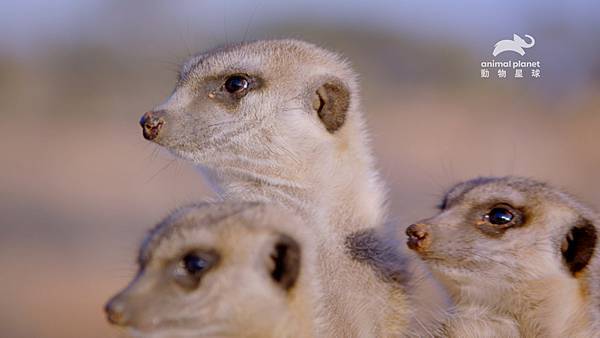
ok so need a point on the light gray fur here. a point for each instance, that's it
(272, 146)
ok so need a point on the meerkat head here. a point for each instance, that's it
(506, 230)
(215, 270)
(284, 98)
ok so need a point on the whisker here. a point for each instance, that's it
(213, 125)
(252, 14)
(161, 170)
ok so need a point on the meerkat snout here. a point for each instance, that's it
(418, 236)
(116, 312)
(151, 123)
(222, 270)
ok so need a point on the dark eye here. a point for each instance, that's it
(236, 84)
(499, 216)
(194, 264)
(191, 268)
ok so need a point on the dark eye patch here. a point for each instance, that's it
(499, 216)
(195, 264)
(192, 266)
(236, 84)
(228, 89)
(494, 219)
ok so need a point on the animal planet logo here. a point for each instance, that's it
(516, 45)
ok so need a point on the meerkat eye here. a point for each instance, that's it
(192, 267)
(499, 216)
(236, 84)
(194, 264)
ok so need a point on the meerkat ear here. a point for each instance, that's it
(285, 262)
(331, 102)
(578, 246)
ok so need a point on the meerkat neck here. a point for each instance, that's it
(552, 306)
(352, 193)
(303, 321)
(339, 186)
(236, 181)
(555, 306)
(358, 193)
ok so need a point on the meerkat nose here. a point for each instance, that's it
(151, 123)
(115, 312)
(418, 237)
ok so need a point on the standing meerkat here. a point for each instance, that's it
(519, 258)
(223, 270)
(280, 121)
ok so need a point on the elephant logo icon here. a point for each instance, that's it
(515, 45)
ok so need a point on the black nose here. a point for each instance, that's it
(151, 123)
(115, 312)
(418, 237)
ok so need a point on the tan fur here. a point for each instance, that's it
(236, 297)
(272, 146)
(513, 281)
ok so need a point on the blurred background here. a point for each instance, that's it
(79, 186)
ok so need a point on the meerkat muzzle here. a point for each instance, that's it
(116, 312)
(418, 237)
(151, 123)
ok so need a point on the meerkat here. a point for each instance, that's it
(280, 121)
(223, 270)
(519, 257)
(277, 121)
